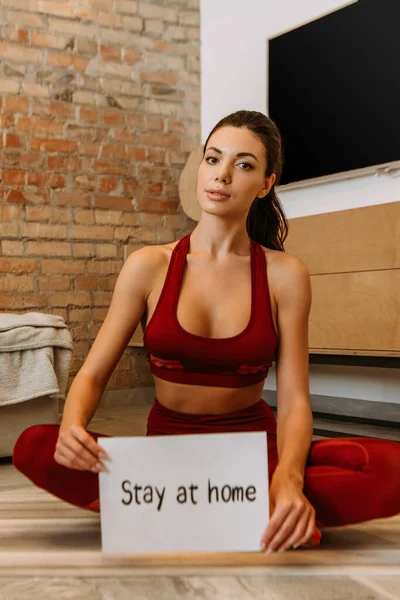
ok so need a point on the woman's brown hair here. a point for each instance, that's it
(266, 222)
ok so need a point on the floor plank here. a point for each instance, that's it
(262, 587)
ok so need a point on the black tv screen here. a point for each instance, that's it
(334, 91)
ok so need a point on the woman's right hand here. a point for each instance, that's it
(76, 449)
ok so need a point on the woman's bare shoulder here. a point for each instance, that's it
(283, 259)
(149, 259)
(152, 254)
(285, 270)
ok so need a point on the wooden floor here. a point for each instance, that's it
(51, 550)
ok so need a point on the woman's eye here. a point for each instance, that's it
(244, 165)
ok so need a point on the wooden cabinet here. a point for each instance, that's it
(354, 260)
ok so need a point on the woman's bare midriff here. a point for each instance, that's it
(196, 399)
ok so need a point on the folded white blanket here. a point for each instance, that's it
(35, 356)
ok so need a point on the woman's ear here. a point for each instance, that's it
(269, 182)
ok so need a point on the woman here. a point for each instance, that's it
(217, 307)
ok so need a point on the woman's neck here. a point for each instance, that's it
(220, 238)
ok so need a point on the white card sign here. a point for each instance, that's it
(194, 493)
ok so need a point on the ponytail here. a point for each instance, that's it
(266, 222)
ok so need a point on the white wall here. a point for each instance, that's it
(234, 67)
(363, 383)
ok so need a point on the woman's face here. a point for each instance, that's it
(235, 164)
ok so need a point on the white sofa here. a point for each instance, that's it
(15, 418)
(35, 356)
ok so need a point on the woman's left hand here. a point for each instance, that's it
(292, 520)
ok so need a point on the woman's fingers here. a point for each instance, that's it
(67, 441)
(285, 531)
(309, 530)
(86, 439)
(289, 528)
(274, 529)
(65, 457)
(298, 533)
(68, 458)
(76, 449)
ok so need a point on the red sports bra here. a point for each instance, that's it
(182, 357)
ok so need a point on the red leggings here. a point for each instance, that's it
(347, 480)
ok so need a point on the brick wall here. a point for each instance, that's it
(99, 108)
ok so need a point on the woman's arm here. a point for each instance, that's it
(76, 448)
(127, 307)
(294, 422)
(293, 518)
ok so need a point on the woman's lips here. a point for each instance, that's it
(217, 196)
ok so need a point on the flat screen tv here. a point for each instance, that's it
(334, 91)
